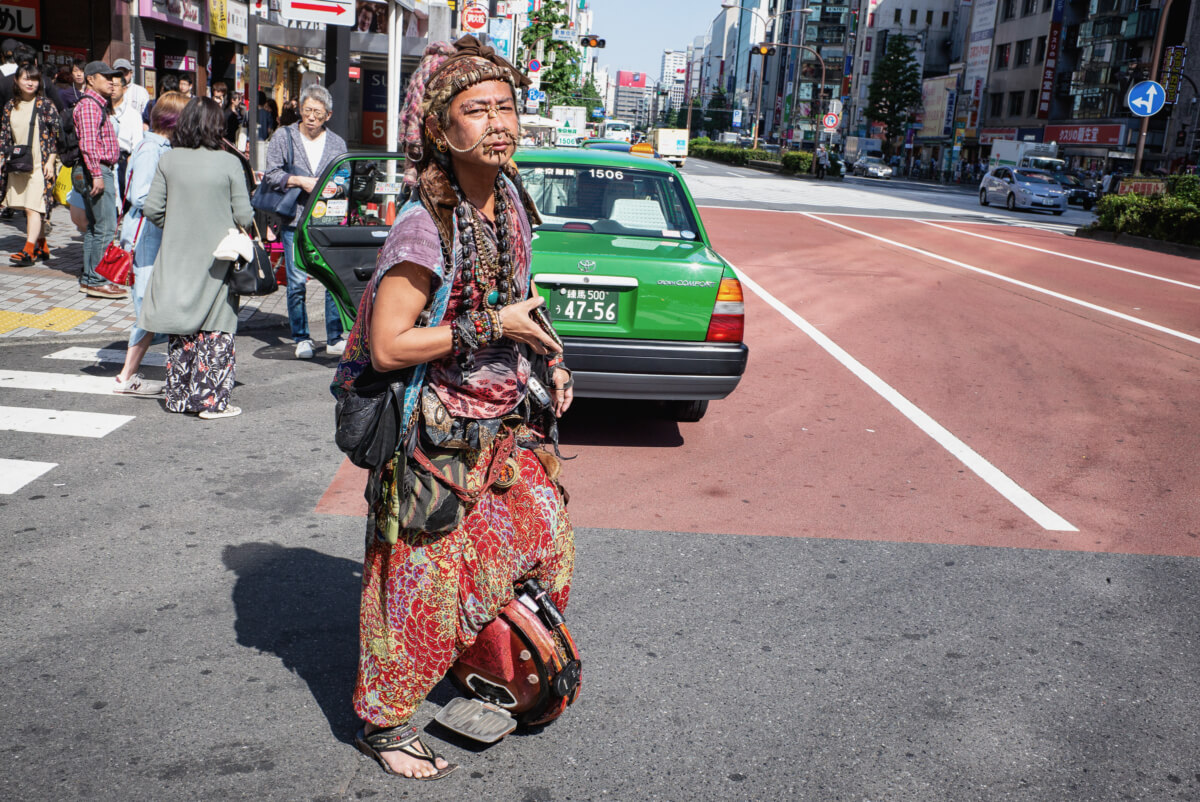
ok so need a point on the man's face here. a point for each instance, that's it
(484, 119)
(101, 85)
(77, 75)
(185, 86)
(118, 89)
(313, 116)
(219, 95)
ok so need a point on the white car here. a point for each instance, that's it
(1023, 188)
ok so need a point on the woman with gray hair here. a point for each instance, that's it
(296, 155)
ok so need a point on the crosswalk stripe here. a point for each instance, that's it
(16, 473)
(115, 355)
(58, 421)
(62, 382)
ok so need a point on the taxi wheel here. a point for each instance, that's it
(1010, 202)
(687, 411)
(983, 201)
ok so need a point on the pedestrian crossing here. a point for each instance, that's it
(16, 472)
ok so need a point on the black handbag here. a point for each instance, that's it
(20, 157)
(253, 277)
(368, 418)
(267, 198)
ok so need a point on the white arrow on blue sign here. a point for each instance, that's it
(1145, 99)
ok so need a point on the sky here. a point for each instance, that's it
(636, 32)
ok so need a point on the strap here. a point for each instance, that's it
(392, 739)
(32, 121)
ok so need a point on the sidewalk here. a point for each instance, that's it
(44, 300)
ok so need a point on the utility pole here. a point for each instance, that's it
(1154, 59)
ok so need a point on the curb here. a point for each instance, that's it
(122, 337)
(1145, 243)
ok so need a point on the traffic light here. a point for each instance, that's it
(591, 41)
(763, 49)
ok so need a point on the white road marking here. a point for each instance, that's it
(114, 355)
(56, 421)
(16, 473)
(1016, 495)
(1062, 255)
(61, 382)
(1026, 285)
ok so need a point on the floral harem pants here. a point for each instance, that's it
(200, 371)
(425, 599)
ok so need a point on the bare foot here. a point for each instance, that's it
(408, 765)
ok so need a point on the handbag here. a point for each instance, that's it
(20, 157)
(283, 202)
(116, 264)
(253, 277)
(369, 417)
(62, 185)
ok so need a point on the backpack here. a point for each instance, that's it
(68, 139)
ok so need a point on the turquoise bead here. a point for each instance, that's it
(493, 296)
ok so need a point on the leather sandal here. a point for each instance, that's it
(404, 738)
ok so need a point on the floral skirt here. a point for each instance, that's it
(200, 371)
(425, 599)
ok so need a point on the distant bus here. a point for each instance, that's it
(616, 129)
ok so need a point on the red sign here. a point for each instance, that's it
(989, 135)
(20, 18)
(635, 80)
(474, 18)
(146, 57)
(1084, 134)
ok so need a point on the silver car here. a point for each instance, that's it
(872, 167)
(1023, 188)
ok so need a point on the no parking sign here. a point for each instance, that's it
(830, 120)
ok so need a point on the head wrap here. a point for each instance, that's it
(445, 70)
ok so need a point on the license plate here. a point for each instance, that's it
(584, 305)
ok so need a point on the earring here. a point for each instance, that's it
(441, 145)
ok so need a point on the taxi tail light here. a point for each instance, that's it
(728, 321)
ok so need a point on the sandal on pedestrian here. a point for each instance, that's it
(41, 252)
(404, 738)
(23, 257)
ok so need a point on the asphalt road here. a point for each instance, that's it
(799, 597)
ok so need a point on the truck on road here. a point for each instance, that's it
(671, 144)
(1039, 155)
(859, 146)
(574, 117)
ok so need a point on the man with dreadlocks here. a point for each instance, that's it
(450, 300)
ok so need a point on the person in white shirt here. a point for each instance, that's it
(128, 122)
(135, 95)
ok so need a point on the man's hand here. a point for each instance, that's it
(564, 392)
(97, 186)
(305, 182)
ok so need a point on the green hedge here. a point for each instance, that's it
(730, 154)
(1174, 217)
(797, 161)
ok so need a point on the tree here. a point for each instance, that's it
(718, 116)
(561, 74)
(896, 88)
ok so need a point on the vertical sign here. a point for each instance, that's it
(1172, 70)
(374, 107)
(979, 55)
(1053, 41)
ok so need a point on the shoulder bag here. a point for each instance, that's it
(267, 198)
(255, 276)
(20, 157)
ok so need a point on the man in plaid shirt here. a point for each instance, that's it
(94, 178)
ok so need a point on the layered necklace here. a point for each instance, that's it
(487, 267)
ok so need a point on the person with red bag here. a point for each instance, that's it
(93, 177)
(29, 124)
(142, 237)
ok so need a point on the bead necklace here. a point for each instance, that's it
(487, 269)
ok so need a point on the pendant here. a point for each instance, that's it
(493, 297)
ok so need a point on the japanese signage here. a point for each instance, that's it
(1172, 71)
(937, 104)
(218, 18)
(183, 63)
(20, 18)
(1053, 41)
(1142, 186)
(989, 135)
(146, 57)
(184, 13)
(238, 17)
(1085, 134)
(979, 55)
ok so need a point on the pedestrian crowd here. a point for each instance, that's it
(165, 179)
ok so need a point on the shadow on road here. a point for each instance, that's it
(606, 422)
(302, 606)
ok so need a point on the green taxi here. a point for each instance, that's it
(645, 307)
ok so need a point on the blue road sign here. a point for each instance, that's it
(1145, 99)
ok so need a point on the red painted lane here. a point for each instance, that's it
(1158, 302)
(1095, 421)
(803, 448)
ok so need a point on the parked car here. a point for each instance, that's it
(1023, 188)
(1077, 190)
(872, 167)
(646, 308)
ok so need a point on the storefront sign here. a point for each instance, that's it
(1172, 72)
(1053, 41)
(374, 107)
(239, 19)
(937, 106)
(1143, 186)
(184, 13)
(182, 63)
(979, 54)
(1085, 134)
(20, 18)
(218, 18)
(146, 57)
(989, 135)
